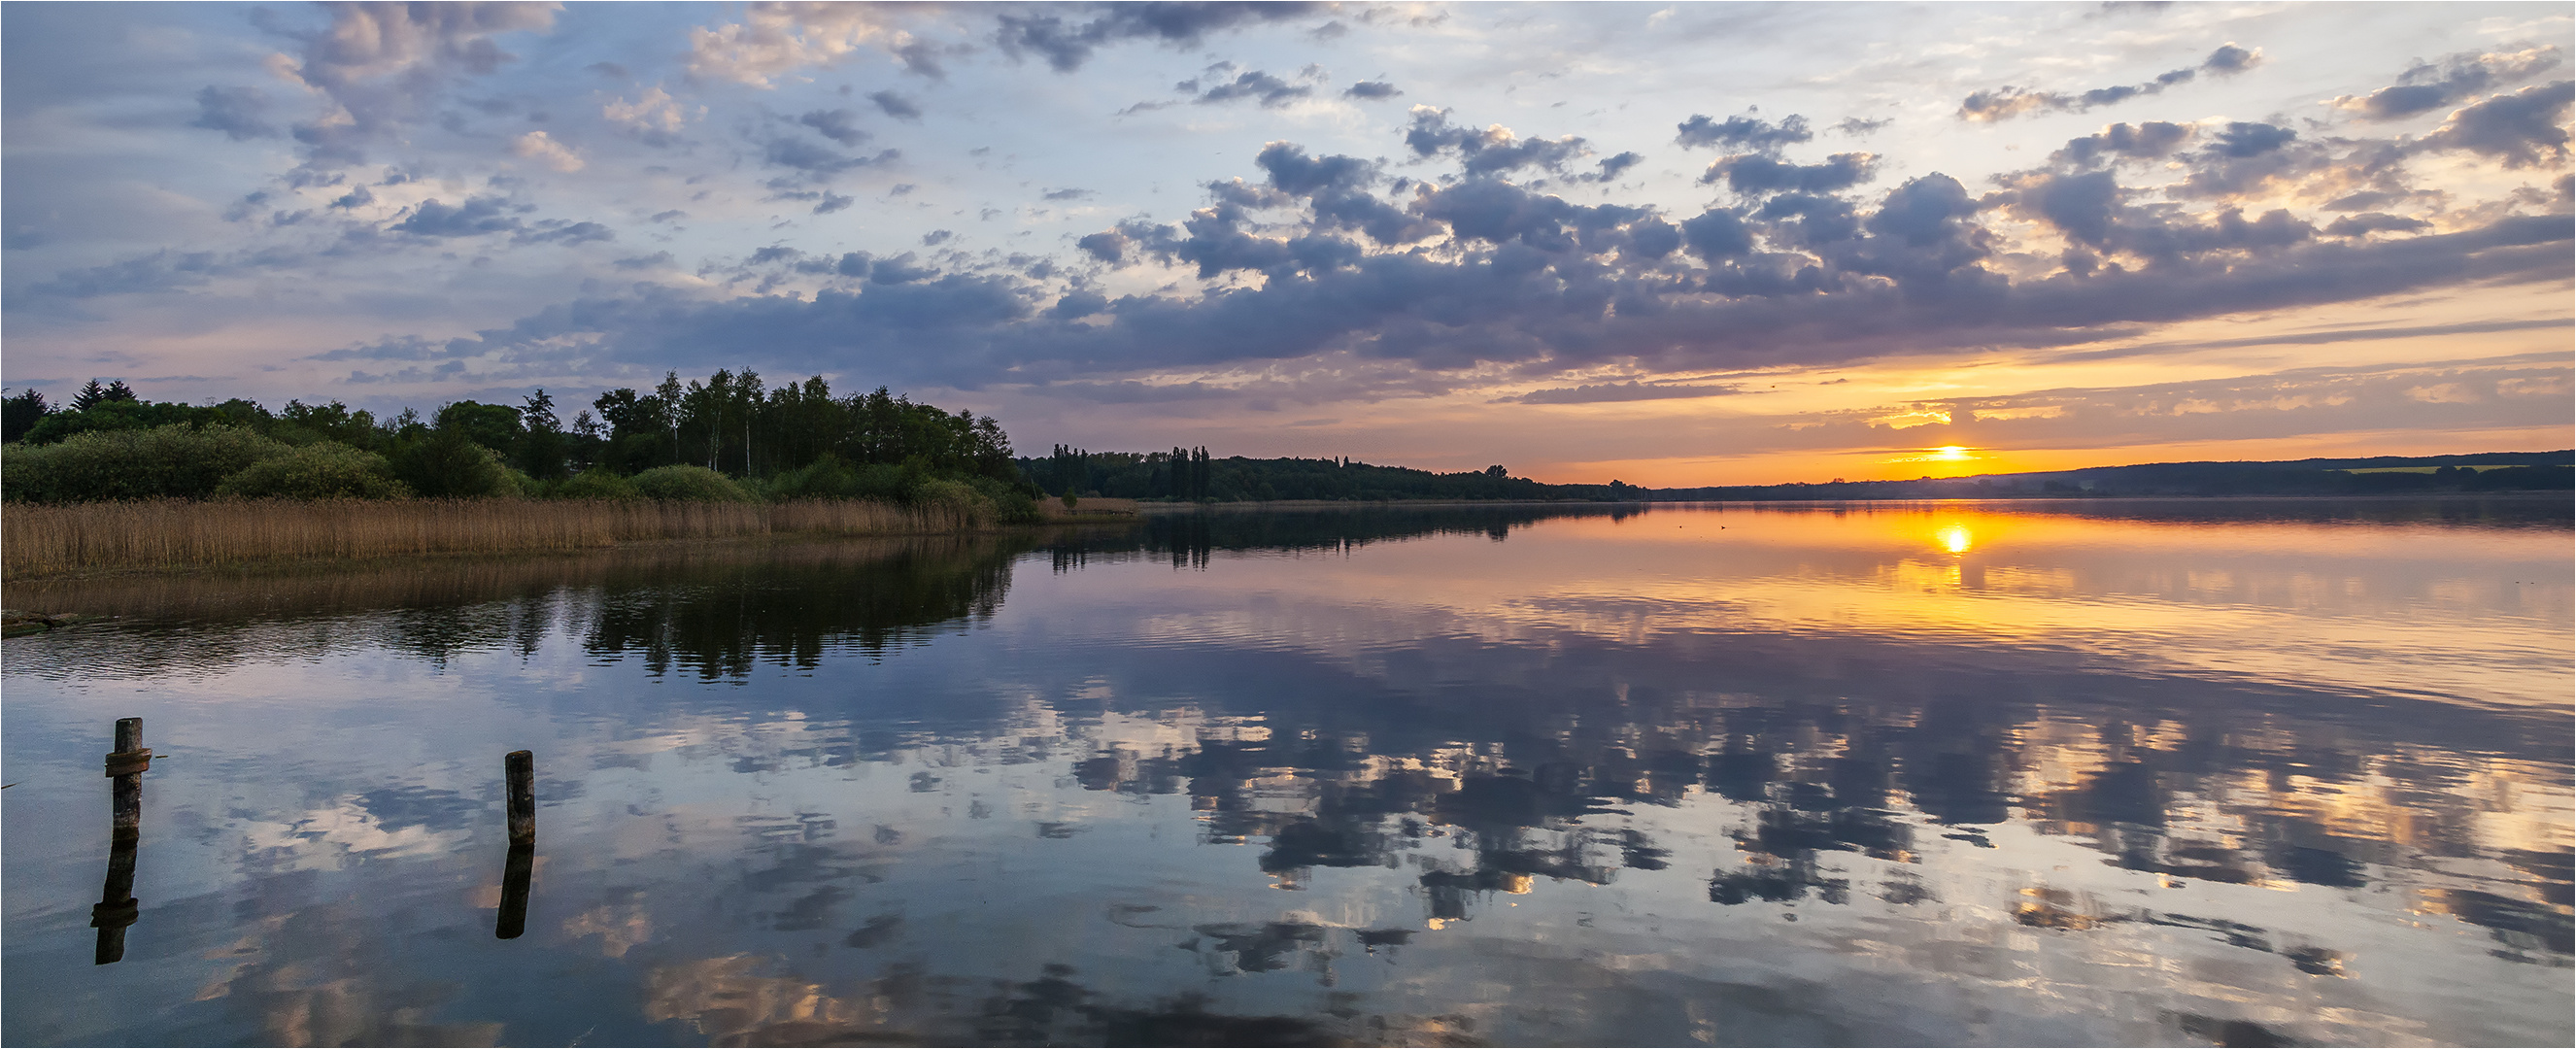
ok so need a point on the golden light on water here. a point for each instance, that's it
(1956, 539)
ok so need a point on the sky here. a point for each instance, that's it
(1667, 244)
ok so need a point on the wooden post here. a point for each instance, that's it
(514, 892)
(117, 908)
(522, 767)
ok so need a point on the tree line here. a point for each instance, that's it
(724, 437)
(1192, 475)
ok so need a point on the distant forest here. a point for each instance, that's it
(726, 438)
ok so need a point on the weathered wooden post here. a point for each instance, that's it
(522, 766)
(522, 864)
(117, 908)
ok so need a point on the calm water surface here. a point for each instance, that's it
(1965, 773)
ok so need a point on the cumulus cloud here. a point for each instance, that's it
(1253, 84)
(1744, 132)
(835, 124)
(896, 104)
(777, 38)
(1492, 151)
(2524, 129)
(2006, 102)
(238, 112)
(475, 217)
(541, 147)
(654, 114)
(1066, 43)
(2427, 86)
(1754, 174)
(383, 65)
(1324, 267)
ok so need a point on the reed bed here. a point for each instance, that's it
(38, 541)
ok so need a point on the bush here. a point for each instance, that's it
(172, 461)
(596, 484)
(328, 470)
(695, 484)
(446, 464)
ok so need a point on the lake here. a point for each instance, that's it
(2242, 773)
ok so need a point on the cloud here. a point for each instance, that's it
(1750, 133)
(777, 38)
(538, 146)
(475, 217)
(1066, 44)
(654, 114)
(1254, 84)
(1492, 151)
(2427, 86)
(235, 111)
(2523, 129)
(1622, 391)
(1371, 91)
(835, 124)
(2006, 102)
(1753, 174)
(383, 65)
(558, 231)
(1068, 193)
(816, 161)
(2150, 140)
(896, 105)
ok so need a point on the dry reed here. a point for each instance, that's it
(38, 541)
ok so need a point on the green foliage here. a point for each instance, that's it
(446, 464)
(174, 461)
(20, 413)
(596, 484)
(494, 426)
(689, 484)
(328, 470)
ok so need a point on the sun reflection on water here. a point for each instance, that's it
(1956, 538)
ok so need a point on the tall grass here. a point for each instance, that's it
(38, 540)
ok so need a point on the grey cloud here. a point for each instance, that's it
(832, 202)
(896, 105)
(1068, 193)
(655, 260)
(1108, 246)
(238, 112)
(1753, 173)
(899, 270)
(1740, 132)
(2149, 140)
(1619, 391)
(1611, 167)
(2375, 222)
(1855, 126)
(1492, 151)
(1264, 88)
(2523, 129)
(1067, 44)
(817, 161)
(2008, 101)
(157, 272)
(386, 64)
(2427, 86)
(556, 231)
(475, 217)
(835, 124)
(1371, 90)
(936, 237)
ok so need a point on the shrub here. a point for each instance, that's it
(446, 464)
(695, 484)
(597, 484)
(173, 461)
(328, 470)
